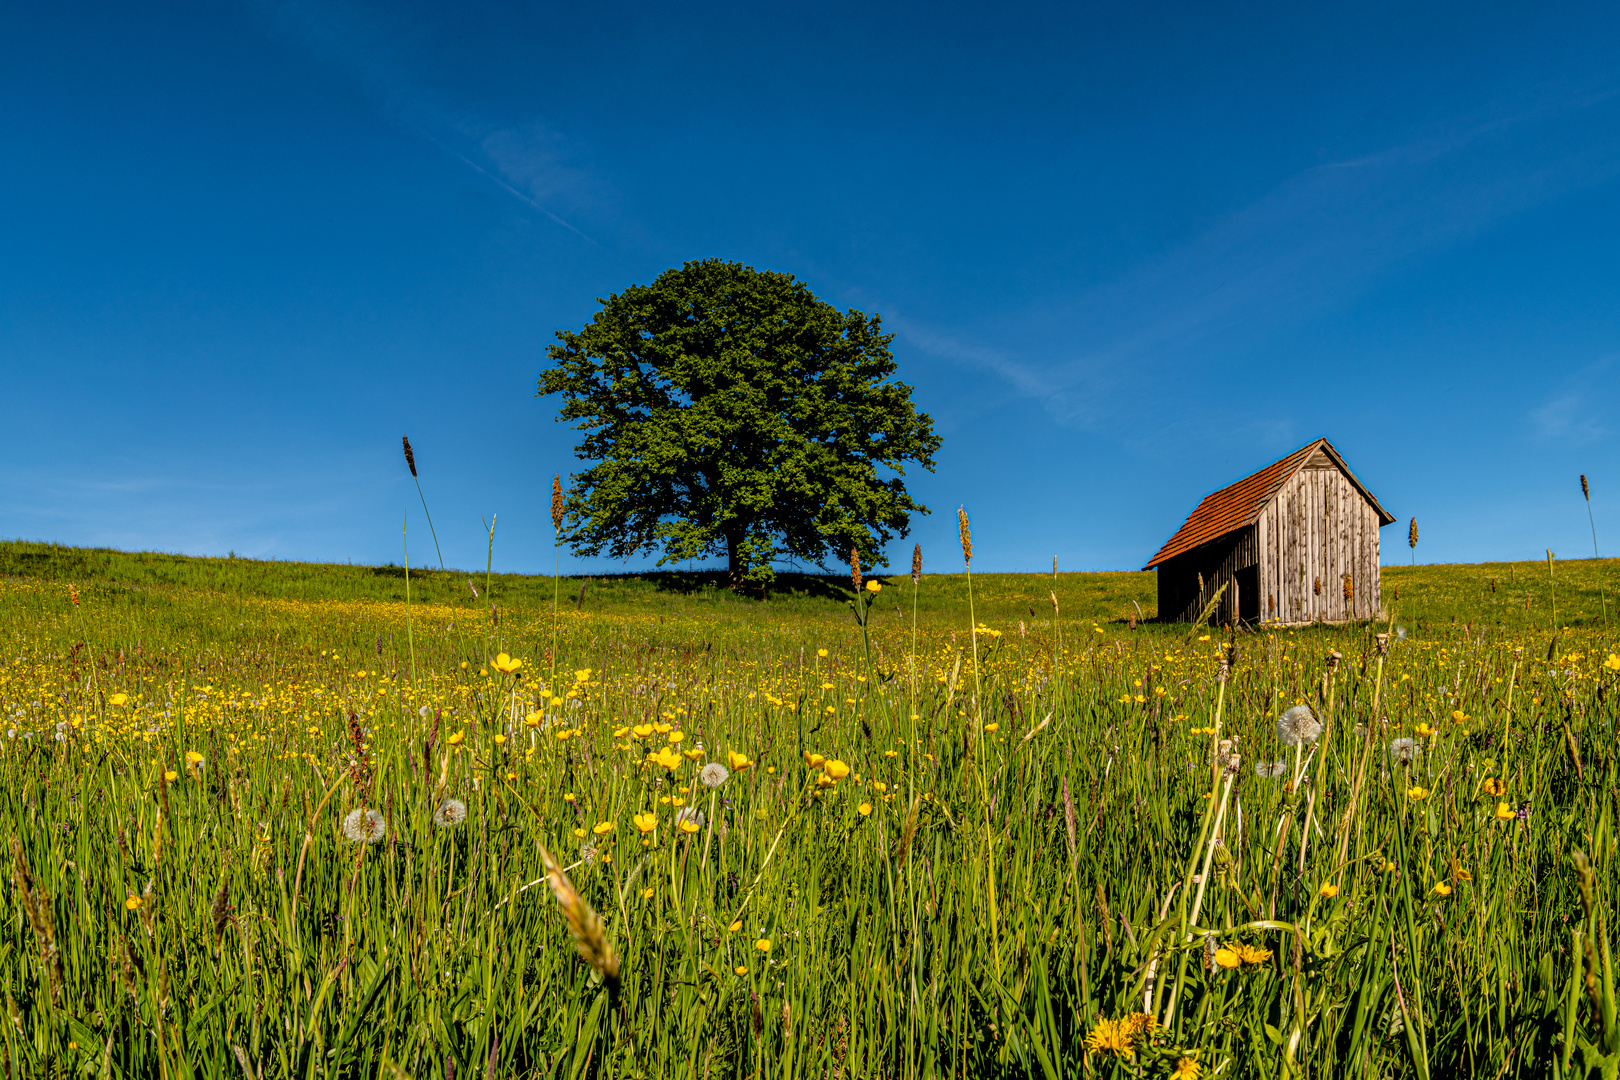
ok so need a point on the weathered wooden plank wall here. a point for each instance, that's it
(1316, 530)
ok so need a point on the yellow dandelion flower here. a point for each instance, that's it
(1251, 955)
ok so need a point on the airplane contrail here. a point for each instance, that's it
(471, 164)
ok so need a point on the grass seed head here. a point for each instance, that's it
(916, 564)
(410, 458)
(556, 502)
(584, 924)
(967, 536)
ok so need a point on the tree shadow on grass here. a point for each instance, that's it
(691, 583)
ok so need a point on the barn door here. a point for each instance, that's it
(1247, 581)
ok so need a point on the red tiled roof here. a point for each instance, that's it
(1239, 504)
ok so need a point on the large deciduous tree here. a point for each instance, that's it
(729, 410)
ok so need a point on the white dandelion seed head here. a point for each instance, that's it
(1266, 770)
(451, 812)
(364, 826)
(1404, 750)
(1400, 633)
(689, 813)
(423, 711)
(713, 774)
(587, 853)
(1297, 727)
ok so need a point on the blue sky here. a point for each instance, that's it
(1130, 252)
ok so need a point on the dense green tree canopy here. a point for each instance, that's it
(728, 410)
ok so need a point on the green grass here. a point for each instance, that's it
(1009, 891)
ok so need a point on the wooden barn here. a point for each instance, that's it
(1296, 542)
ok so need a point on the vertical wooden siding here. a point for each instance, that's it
(1318, 527)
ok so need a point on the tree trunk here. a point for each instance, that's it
(737, 569)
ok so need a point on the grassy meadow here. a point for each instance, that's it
(278, 820)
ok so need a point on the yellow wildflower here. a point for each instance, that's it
(1251, 955)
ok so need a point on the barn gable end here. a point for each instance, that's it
(1295, 542)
